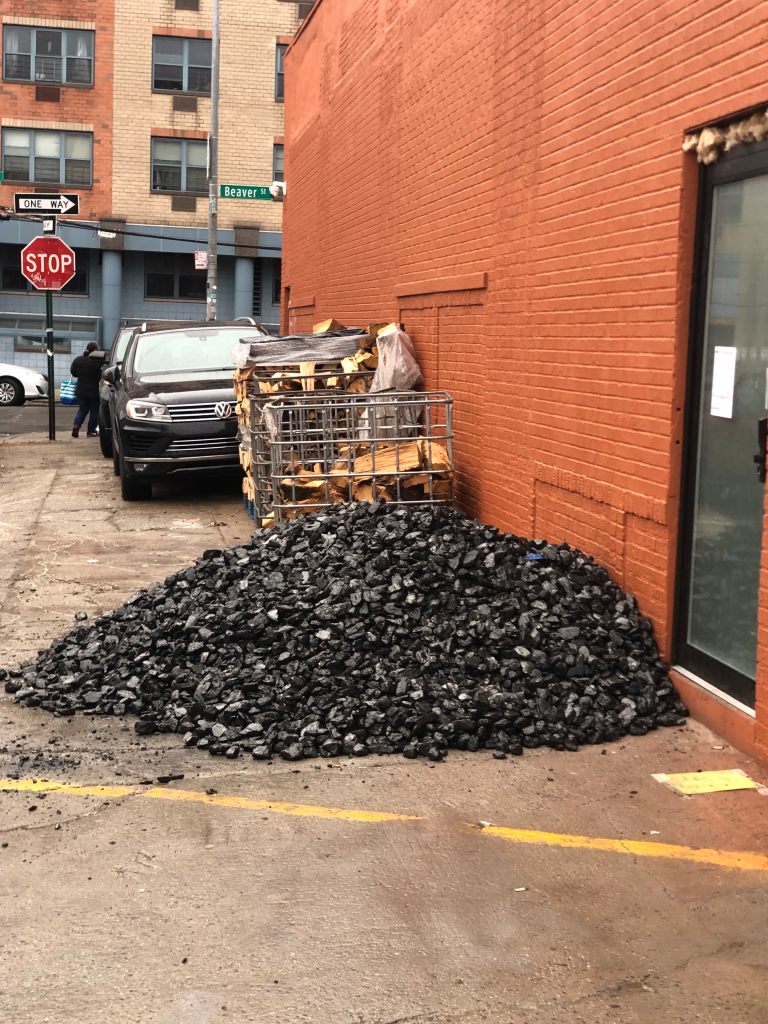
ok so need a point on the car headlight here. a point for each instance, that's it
(148, 412)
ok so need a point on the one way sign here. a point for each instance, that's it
(38, 202)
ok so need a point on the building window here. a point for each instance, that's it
(280, 71)
(278, 173)
(173, 276)
(179, 165)
(276, 283)
(12, 279)
(55, 158)
(181, 65)
(48, 55)
(61, 346)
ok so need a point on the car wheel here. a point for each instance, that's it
(116, 452)
(11, 392)
(105, 438)
(133, 488)
(105, 443)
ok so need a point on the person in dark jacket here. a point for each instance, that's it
(87, 369)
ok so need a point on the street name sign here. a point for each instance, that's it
(48, 263)
(244, 192)
(37, 202)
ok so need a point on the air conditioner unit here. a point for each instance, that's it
(277, 191)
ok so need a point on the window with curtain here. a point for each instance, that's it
(181, 65)
(77, 159)
(46, 55)
(179, 165)
(47, 160)
(17, 53)
(79, 58)
(47, 157)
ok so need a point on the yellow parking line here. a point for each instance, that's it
(277, 807)
(194, 796)
(720, 858)
(39, 786)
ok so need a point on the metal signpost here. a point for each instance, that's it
(48, 263)
(212, 273)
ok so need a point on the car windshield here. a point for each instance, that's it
(201, 349)
(121, 344)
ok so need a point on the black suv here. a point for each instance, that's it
(172, 402)
(114, 357)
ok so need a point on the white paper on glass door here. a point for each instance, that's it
(723, 378)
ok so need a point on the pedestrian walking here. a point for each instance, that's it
(87, 369)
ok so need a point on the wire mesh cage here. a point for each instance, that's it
(261, 467)
(263, 388)
(326, 448)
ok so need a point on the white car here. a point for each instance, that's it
(18, 384)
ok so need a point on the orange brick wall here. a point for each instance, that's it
(80, 108)
(431, 142)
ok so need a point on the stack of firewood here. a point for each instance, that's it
(260, 381)
(406, 472)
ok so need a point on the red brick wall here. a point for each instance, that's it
(538, 142)
(78, 105)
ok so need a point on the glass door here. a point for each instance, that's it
(723, 531)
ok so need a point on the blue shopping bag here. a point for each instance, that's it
(67, 395)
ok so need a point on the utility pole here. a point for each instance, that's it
(213, 173)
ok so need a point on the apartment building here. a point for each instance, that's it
(111, 101)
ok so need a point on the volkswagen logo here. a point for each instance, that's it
(223, 410)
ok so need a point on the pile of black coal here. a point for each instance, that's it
(369, 629)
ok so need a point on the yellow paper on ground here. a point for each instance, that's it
(692, 783)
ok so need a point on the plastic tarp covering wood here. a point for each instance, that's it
(292, 349)
(398, 370)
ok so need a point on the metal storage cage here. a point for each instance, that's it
(327, 448)
(331, 382)
(261, 468)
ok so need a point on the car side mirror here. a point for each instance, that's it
(111, 375)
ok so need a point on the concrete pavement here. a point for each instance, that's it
(250, 898)
(33, 418)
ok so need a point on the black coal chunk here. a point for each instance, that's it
(368, 629)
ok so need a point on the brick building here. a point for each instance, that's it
(112, 101)
(509, 181)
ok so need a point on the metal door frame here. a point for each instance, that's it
(742, 162)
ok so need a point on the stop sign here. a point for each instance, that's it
(47, 262)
